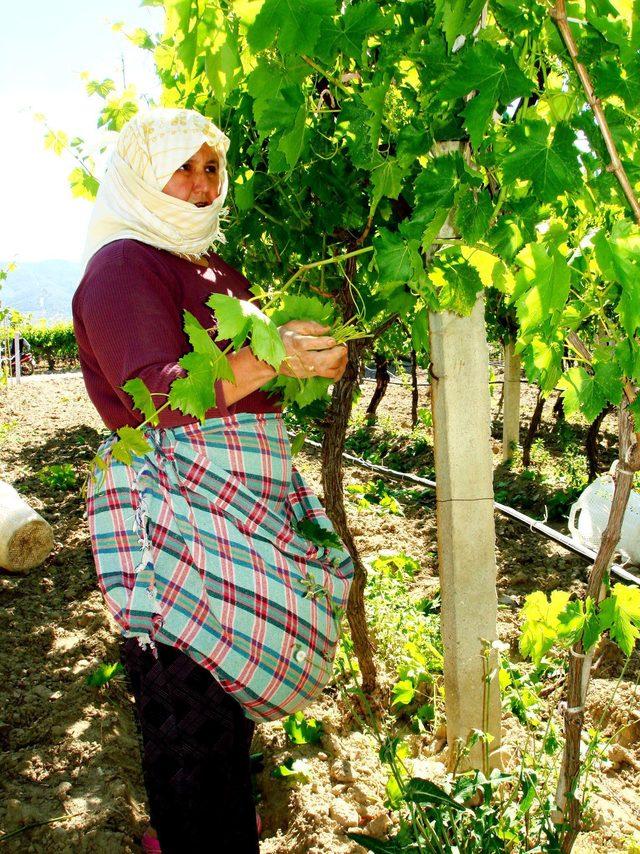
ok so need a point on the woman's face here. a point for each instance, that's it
(197, 180)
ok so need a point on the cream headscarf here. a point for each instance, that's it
(130, 202)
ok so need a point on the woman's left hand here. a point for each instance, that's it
(311, 352)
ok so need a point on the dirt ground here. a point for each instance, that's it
(70, 774)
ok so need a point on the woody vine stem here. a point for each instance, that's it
(567, 801)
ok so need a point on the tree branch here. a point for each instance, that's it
(559, 15)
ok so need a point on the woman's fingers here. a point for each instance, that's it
(306, 327)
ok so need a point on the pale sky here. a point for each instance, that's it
(44, 48)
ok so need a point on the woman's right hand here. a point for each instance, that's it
(311, 352)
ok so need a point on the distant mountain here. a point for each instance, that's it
(43, 288)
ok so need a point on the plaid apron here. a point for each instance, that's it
(195, 547)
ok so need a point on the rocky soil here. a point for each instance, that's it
(69, 771)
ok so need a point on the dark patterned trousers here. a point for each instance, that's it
(195, 744)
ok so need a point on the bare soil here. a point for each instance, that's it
(70, 773)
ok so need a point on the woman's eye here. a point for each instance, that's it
(212, 169)
(185, 167)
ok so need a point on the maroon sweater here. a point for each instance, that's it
(127, 317)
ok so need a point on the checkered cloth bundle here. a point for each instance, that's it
(196, 546)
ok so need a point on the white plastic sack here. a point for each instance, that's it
(592, 512)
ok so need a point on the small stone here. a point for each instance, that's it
(341, 771)
(343, 813)
(379, 826)
(619, 755)
(322, 756)
(362, 795)
(338, 789)
(57, 695)
(62, 790)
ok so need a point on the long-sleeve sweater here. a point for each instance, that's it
(128, 321)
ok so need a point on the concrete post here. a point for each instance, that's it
(511, 404)
(466, 531)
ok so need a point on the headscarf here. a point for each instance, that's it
(130, 202)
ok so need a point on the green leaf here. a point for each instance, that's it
(195, 393)
(374, 97)
(592, 630)
(387, 181)
(131, 444)
(296, 23)
(542, 287)
(238, 318)
(548, 158)
(612, 78)
(473, 215)
(310, 530)
(378, 846)
(496, 79)
(301, 730)
(403, 692)
(292, 142)
(301, 307)
(103, 674)
(142, 399)
(359, 21)
(618, 256)
(391, 257)
(459, 17)
(582, 393)
(620, 616)
(434, 190)
(541, 623)
(83, 185)
(198, 337)
(223, 68)
(571, 622)
(420, 791)
(297, 443)
(458, 285)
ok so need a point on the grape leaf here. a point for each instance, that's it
(310, 530)
(142, 399)
(549, 160)
(496, 79)
(199, 338)
(301, 730)
(195, 393)
(620, 616)
(104, 674)
(541, 621)
(300, 307)
(459, 17)
(473, 215)
(391, 257)
(618, 256)
(296, 23)
(582, 393)
(357, 23)
(434, 192)
(542, 287)
(238, 318)
(457, 284)
(131, 444)
(386, 179)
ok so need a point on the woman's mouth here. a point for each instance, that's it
(202, 204)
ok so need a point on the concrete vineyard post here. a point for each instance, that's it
(511, 405)
(460, 401)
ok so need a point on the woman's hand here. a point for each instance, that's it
(311, 352)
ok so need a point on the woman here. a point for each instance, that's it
(229, 615)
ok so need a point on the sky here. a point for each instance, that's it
(44, 48)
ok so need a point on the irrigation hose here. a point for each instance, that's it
(533, 525)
